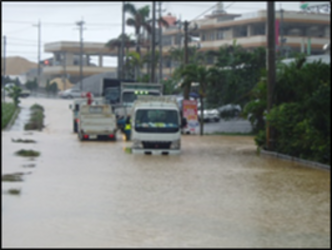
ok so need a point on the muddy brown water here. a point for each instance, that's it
(217, 193)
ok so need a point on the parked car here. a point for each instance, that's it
(229, 111)
(208, 114)
(70, 93)
(8, 87)
(25, 92)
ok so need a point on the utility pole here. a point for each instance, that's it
(281, 31)
(121, 76)
(39, 38)
(186, 24)
(64, 78)
(4, 67)
(271, 70)
(160, 46)
(153, 42)
(80, 24)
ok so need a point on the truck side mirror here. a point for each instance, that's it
(70, 106)
(183, 122)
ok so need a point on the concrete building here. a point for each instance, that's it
(66, 60)
(295, 31)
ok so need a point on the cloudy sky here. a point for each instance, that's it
(102, 21)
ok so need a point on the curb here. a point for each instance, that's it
(295, 159)
(12, 120)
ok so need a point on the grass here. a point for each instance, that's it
(27, 153)
(14, 191)
(29, 165)
(24, 141)
(7, 112)
(12, 177)
(36, 121)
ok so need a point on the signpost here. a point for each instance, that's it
(315, 6)
(190, 113)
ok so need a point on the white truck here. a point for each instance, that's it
(75, 107)
(129, 91)
(96, 122)
(156, 125)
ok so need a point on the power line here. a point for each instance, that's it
(20, 30)
(214, 6)
(15, 38)
(17, 51)
(22, 44)
(65, 24)
(96, 4)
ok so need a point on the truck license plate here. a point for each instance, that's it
(92, 137)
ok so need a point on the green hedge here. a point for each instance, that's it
(36, 121)
(7, 112)
(301, 114)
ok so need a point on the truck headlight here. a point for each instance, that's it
(137, 144)
(176, 144)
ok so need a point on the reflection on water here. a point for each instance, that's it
(216, 193)
(21, 119)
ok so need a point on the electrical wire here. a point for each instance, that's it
(20, 44)
(20, 30)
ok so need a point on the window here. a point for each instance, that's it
(156, 120)
(129, 97)
(258, 29)
(167, 40)
(220, 35)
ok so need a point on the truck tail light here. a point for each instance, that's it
(86, 136)
(77, 120)
(111, 136)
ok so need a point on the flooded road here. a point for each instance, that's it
(217, 193)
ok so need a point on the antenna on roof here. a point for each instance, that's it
(220, 8)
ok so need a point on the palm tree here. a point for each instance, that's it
(116, 43)
(196, 73)
(138, 20)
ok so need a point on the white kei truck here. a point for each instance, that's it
(75, 107)
(96, 122)
(156, 126)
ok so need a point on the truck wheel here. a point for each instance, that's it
(80, 136)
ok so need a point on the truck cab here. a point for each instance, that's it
(156, 126)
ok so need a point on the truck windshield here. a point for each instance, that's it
(112, 94)
(155, 120)
(128, 98)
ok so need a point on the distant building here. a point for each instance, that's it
(301, 32)
(65, 62)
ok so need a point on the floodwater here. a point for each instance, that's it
(217, 193)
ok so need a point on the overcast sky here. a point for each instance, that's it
(102, 21)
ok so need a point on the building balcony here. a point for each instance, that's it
(75, 70)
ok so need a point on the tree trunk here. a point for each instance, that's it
(186, 91)
(202, 115)
(119, 70)
(138, 50)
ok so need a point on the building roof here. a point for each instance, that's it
(170, 19)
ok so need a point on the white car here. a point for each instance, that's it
(71, 93)
(230, 111)
(209, 115)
